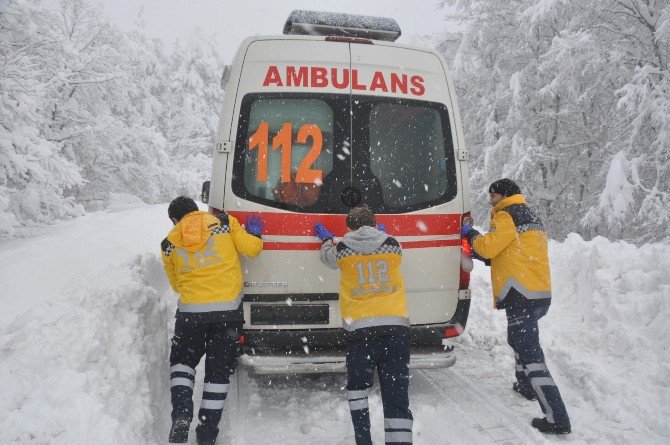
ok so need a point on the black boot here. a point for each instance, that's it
(527, 393)
(179, 430)
(544, 426)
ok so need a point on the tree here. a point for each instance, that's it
(88, 111)
(553, 90)
(636, 204)
(34, 171)
(193, 97)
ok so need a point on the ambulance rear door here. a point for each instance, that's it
(292, 118)
(403, 144)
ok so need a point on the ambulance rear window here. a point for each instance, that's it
(407, 153)
(283, 133)
(325, 153)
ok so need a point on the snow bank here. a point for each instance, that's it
(82, 246)
(612, 339)
(89, 367)
(605, 337)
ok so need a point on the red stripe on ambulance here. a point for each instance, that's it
(274, 245)
(302, 224)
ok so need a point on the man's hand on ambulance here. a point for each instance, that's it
(464, 230)
(255, 225)
(322, 233)
(469, 233)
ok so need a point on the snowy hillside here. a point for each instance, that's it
(86, 314)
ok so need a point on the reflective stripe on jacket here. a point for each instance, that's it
(518, 249)
(201, 261)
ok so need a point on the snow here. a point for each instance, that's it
(617, 196)
(604, 338)
(87, 313)
(33, 270)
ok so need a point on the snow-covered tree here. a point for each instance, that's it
(565, 96)
(34, 170)
(636, 204)
(88, 111)
(192, 100)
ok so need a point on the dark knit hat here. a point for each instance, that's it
(505, 187)
(181, 206)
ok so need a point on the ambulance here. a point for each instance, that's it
(328, 116)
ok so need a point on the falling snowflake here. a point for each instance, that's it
(397, 183)
(422, 226)
(289, 302)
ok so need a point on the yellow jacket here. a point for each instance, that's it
(201, 262)
(372, 292)
(517, 248)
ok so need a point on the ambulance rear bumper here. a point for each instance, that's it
(323, 350)
(334, 361)
(281, 341)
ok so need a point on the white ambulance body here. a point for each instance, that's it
(313, 125)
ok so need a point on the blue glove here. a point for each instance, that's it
(255, 225)
(465, 230)
(322, 233)
(381, 227)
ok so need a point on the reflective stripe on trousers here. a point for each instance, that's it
(398, 430)
(523, 337)
(182, 375)
(214, 396)
(358, 399)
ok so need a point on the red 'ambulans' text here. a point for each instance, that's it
(341, 78)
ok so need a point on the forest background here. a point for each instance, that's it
(570, 98)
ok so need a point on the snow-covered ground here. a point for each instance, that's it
(85, 314)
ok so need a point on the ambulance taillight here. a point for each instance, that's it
(453, 331)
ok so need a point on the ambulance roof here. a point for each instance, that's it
(302, 22)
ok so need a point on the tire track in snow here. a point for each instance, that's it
(233, 426)
(477, 406)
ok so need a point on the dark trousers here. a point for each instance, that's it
(389, 355)
(523, 336)
(191, 341)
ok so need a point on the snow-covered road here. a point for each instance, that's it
(85, 314)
